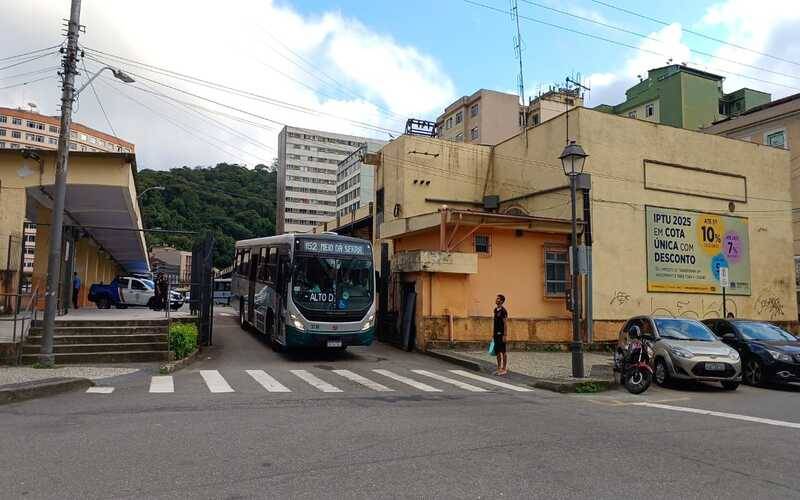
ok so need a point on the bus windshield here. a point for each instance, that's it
(332, 283)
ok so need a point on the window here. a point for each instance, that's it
(483, 244)
(52, 129)
(52, 140)
(83, 137)
(3, 119)
(2, 132)
(16, 134)
(30, 251)
(16, 121)
(14, 145)
(262, 264)
(536, 119)
(450, 122)
(2, 144)
(73, 146)
(39, 138)
(474, 110)
(555, 272)
(632, 114)
(30, 237)
(473, 134)
(138, 285)
(776, 139)
(649, 110)
(30, 137)
(459, 117)
(460, 137)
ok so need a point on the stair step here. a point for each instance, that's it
(101, 339)
(102, 330)
(86, 348)
(109, 322)
(102, 357)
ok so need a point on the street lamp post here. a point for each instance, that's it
(68, 94)
(572, 160)
(156, 188)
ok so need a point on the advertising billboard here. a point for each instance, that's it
(685, 250)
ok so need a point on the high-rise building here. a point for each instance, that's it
(684, 97)
(21, 129)
(355, 179)
(485, 117)
(307, 176)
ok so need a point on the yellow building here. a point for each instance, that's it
(102, 235)
(462, 223)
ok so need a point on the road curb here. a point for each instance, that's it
(22, 391)
(174, 366)
(562, 386)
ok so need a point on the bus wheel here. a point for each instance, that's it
(242, 321)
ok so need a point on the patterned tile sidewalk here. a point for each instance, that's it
(547, 365)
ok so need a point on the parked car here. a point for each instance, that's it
(128, 291)
(769, 354)
(687, 349)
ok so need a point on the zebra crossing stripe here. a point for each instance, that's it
(491, 381)
(100, 390)
(162, 384)
(215, 382)
(355, 377)
(267, 381)
(316, 382)
(408, 381)
(448, 380)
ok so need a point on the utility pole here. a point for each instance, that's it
(69, 63)
(520, 79)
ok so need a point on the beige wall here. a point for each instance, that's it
(497, 119)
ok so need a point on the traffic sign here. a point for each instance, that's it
(724, 280)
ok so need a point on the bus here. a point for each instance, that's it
(222, 291)
(306, 290)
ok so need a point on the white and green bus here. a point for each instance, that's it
(315, 290)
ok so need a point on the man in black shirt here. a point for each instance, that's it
(499, 335)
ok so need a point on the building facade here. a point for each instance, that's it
(355, 179)
(684, 97)
(308, 163)
(453, 246)
(552, 103)
(175, 264)
(485, 117)
(20, 129)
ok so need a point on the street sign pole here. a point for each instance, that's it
(725, 282)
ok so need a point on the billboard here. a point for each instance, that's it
(685, 250)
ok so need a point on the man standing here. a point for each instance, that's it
(499, 335)
(76, 290)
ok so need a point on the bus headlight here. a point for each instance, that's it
(297, 323)
(369, 323)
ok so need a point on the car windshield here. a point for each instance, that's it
(763, 331)
(149, 284)
(332, 284)
(684, 329)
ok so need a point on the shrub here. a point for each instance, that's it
(182, 339)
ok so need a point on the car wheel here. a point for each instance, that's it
(242, 321)
(730, 385)
(753, 372)
(662, 373)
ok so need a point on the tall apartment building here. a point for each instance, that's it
(307, 176)
(485, 117)
(355, 179)
(684, 97)
(552, 103)
(21, 129)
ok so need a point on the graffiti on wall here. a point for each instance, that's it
(701, 308)
(620, 298)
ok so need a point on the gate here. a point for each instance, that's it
(11, 271)
(202, 293)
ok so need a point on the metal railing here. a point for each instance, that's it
(21, 320)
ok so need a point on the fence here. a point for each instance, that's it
(15, 327)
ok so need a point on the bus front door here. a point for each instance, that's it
(252, 276)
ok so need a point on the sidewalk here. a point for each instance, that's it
(19, 374)
(550, 365)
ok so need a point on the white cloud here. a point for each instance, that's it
(234, 46)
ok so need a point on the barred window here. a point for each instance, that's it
(556, 272)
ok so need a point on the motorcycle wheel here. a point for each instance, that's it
(637, 381)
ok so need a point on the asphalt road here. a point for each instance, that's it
(398, 441)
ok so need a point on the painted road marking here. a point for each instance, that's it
(162, 384)
(267, 381)
(100, 390)
(355, 377)
(408, 381)
(491, 381)
(215, 382)
(734, 416)
(316, 382)
(448, 380)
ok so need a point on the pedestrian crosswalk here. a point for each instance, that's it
(324, 381)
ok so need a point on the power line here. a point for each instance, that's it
(31, 73)
(25, 61)
(623, 44)
(650, 37)
(28, 82)
(100, 103)
(695, 33)
(29, 53)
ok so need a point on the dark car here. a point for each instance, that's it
(769, 354)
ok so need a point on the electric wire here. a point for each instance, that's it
(99, 102)
(30, 82)
(31, 73)
(25, 61)
(8, 58)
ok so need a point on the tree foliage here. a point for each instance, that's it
(230, 202)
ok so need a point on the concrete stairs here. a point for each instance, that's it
(107, 341)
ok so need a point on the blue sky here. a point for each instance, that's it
(363, 67)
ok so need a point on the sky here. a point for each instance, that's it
(216, 81)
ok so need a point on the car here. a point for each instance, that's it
(769, 353)
(686, 349)
(129, 291)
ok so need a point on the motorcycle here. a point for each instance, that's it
(634, 363)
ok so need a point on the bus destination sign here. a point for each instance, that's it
(335, 247)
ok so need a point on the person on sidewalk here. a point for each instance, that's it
(499, 334)
(76, 290)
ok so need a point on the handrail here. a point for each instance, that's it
(23, 316)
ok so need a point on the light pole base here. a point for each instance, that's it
(577, 359)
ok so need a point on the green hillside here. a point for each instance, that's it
(230, 201)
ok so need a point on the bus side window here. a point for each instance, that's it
(262, 264)
(272, 265)
(244, 270)
(237, 261)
